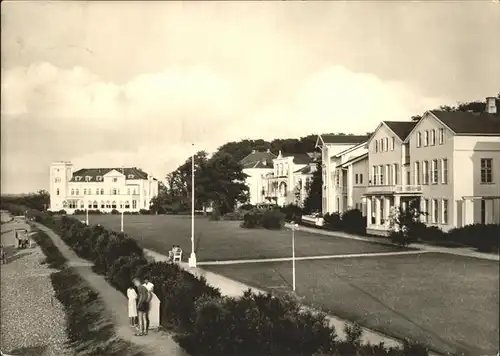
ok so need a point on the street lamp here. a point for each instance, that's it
(192, 258)
(87, 216)
(121, 225)
(294, 225)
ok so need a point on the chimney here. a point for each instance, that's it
(491, 106)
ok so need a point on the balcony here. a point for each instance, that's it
(394, 189)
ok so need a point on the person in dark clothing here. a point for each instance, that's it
(142, 307)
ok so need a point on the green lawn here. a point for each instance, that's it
(226, 240)
(445, 301)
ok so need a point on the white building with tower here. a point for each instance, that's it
(104, 189)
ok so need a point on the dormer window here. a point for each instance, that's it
(88, 178)
(130, 176)
(99, 178)
(78, 178)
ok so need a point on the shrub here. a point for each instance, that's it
(115, 212)
(484, 237)
(62, 212)
(252, 219)
(353, 221)
(292, 212)
(273, 219)
(235, 215)
(144, 212)
(332, 221)
(247, 207)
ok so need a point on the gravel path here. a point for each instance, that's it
(32, 322)
(28, 319)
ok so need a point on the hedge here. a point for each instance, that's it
(206, 323)
(272, 219)
(351, 221)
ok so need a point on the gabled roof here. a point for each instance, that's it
(465, 123)
(258, 159)
(93, 173)
(299, 158)
(340, 139)
(305, 170)
(469, 123)
(350, 149)
(354, 160)
(401, 128)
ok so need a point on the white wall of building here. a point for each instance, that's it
(256, 182)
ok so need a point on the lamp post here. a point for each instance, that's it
(192, 258)
(87, 216)
(121, 225)
(294, 225)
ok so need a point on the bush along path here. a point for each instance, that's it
(72, 293)
(205, 323)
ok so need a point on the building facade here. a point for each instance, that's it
(448, 162)
(257, 166)
(104, 189)
(338, 157)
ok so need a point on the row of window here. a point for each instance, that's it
(435, 211)
(281, 170)
(429, 137)
(435, 172)
(113, 191)
(384, 144)
(75, 204)
(385, 175)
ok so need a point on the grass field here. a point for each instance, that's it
(446, 301)
(225, 240)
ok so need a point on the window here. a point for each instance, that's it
(433, 137)
(134, 204)
(97, 191)
(393, 143)
(99, 178)
(102, 205)
(115, 180)
(89, 204)
(72, 192)
(82, 204)
(483, 211)
(426, 138)
(396, 173)
(419, 139)
(486, 170)
(88, 178)
(57, 191)
(130, 176)
(435, 172)
(135, 192)
(425, 210)
(425, 175)
(128, 191)
(114, 191)
(356, 178)
(444, 217)
(380, 175)
(77, 191)
(417, 173)
(384, 143)
(113, 205)
(108, 205)
(57, 180)
(102, 191)
(361, 179)
(441, 136)
(387, 173)
(376, 146)
(95, 205)
(374, 175)
(444, 171)
(435, 211)
(84, 192)
(127, 204)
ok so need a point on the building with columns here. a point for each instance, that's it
(449, 162)
(343, 160)
(105, 189)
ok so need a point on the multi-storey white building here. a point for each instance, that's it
(257, 165)
(343, 163)
(448, 161)
(105, 189)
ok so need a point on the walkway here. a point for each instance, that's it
(462, 251)
(155, 344)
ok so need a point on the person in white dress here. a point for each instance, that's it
(149, 286)
(132, 305)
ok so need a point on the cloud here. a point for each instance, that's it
(152, 120)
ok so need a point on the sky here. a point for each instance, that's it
(105, 84)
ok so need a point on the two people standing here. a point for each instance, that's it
(139, 305)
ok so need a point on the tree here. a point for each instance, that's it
(38, 201)
(314, 200)
(223, 183)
